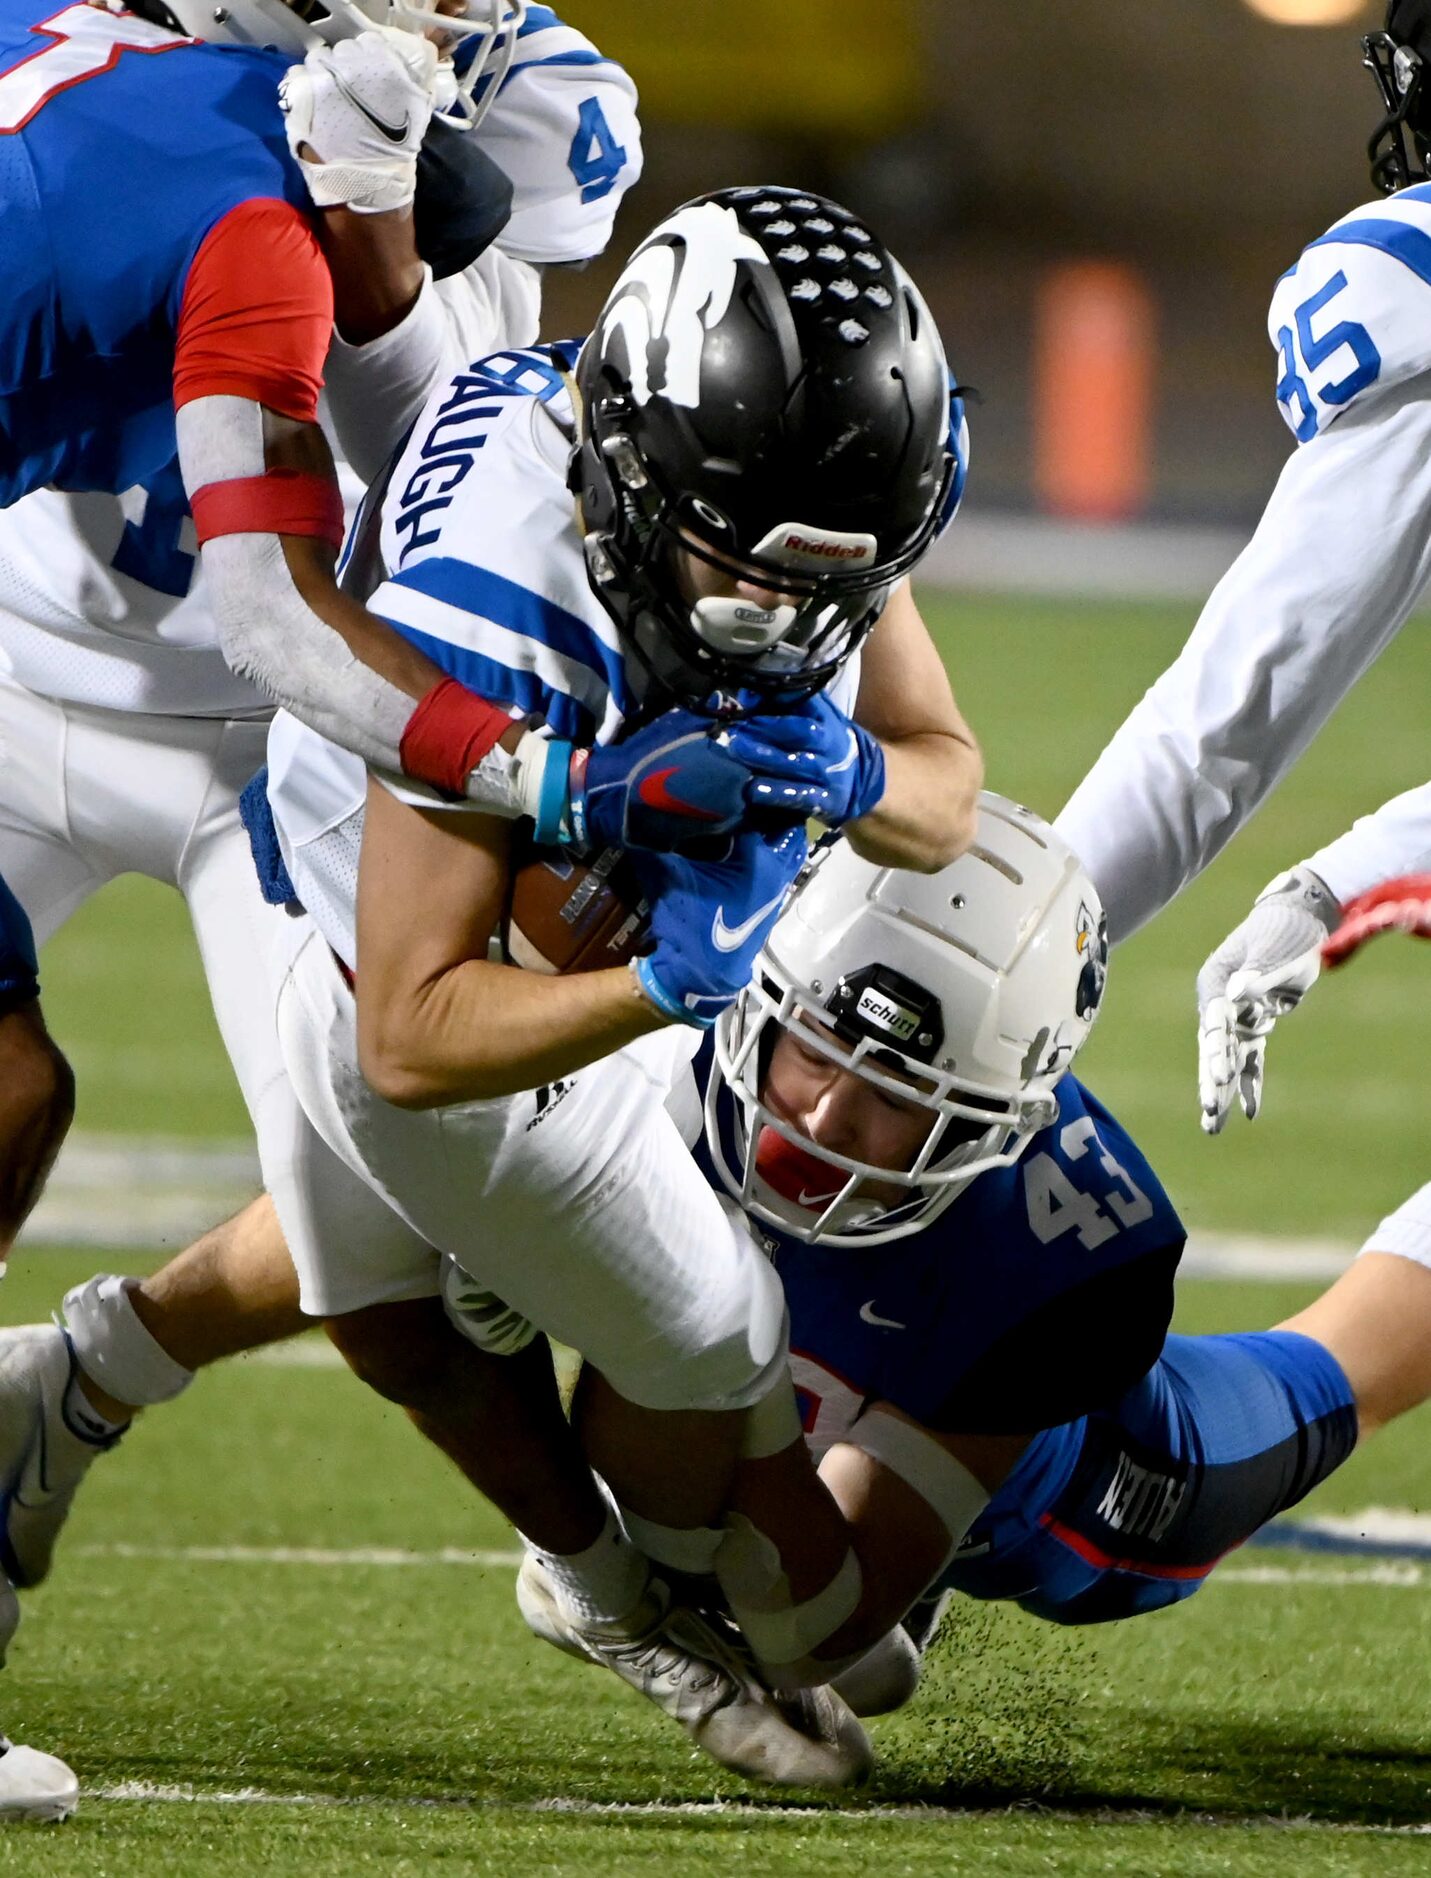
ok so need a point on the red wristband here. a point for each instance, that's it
(280, 502)
(448, 735)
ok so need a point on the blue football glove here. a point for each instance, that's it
(710, 918)
(684, 778)
(846, 758)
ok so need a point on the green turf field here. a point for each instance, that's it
(208, 1630)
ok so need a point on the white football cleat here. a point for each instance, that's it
(42, 1458)
(885, 1678)
(35, 1786)
(700, 1679)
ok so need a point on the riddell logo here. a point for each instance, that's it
(824, 550)
(798, 544)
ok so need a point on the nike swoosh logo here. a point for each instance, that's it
(868, 1315)
(731, 938)
(394, 133)
(854, 750)
(818, 1199)
(654, 790)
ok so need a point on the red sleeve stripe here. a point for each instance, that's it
(280, 502)
(448, 735)
(257, 312)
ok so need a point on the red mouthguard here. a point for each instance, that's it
(794, 1173)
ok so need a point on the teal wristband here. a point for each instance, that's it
(656, 992)
(552, 796)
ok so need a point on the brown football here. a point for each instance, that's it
(566, 915)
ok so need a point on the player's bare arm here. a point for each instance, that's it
(907, 1515)
(377, 271)
(438, 1022)
(934, 768)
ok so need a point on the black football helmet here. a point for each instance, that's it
(1400, 146)
(765, 392)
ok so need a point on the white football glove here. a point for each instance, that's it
(361, 109)
(1262, 970)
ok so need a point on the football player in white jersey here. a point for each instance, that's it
(730, 537)
(1339, 559)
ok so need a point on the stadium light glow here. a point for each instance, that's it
(1308, 12)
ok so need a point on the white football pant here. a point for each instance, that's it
(579, 1205)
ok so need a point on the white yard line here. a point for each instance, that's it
(301, 1555)
(1385, 1577)
(310, 1352)
(153, 1793)
(140, 1193)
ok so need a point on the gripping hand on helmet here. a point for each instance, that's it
(710, 918)
(356, 114)
(1262, 970)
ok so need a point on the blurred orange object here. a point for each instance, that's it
(1095, 353)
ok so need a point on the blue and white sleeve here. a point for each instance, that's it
(564, 129)
(1340, 557)
(1352, 320)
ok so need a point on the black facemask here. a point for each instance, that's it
(1400, 145)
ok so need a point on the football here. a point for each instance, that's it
(568, 915)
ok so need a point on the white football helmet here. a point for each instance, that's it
(968, 992)
(494, 24)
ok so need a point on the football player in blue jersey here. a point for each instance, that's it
(978, 1265)
(36, 1107)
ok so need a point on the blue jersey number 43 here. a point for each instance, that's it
(596, 159)
(1304, 351)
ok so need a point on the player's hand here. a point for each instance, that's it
(356, 114)
(1400, 905)
(848, 761)
(710, 918)
(1262, 970)
(684, 778)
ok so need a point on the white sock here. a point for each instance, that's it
(115, 1350)
(600, 1584)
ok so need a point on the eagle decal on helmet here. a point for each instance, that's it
(1091, 940)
